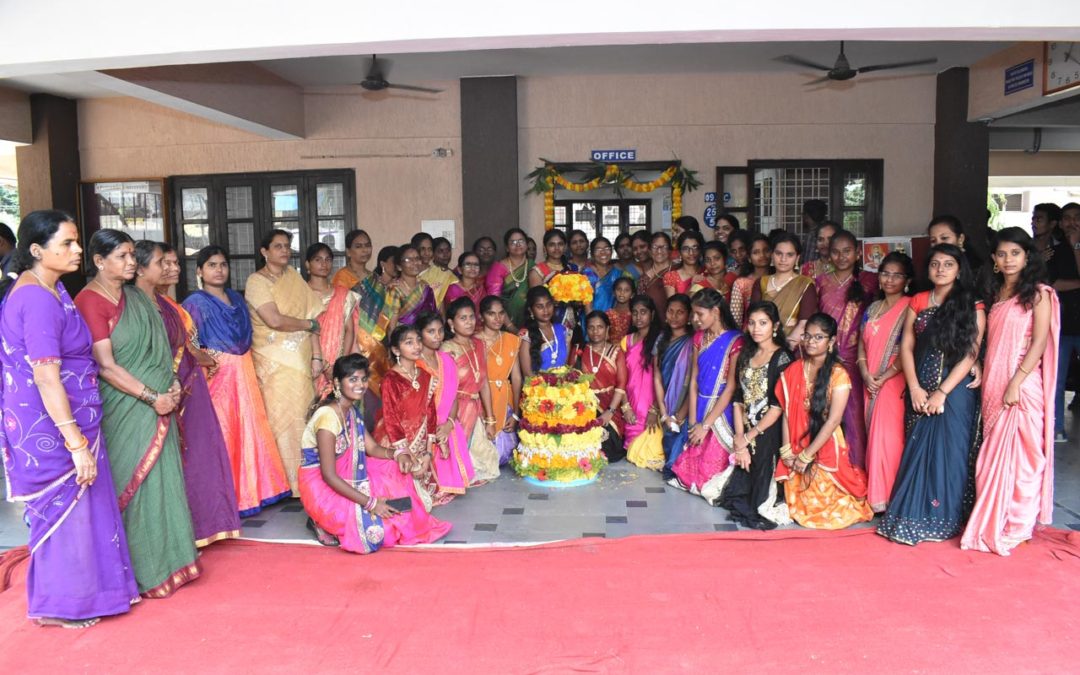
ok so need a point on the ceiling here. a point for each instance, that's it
(550, 61)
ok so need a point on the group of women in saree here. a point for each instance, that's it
(138, 430)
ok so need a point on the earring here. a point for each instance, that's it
(997, 270)
(337, 391)
(101, 268)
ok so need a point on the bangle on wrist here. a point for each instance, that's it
(314, 326)
(1020, 368)
(64, 423)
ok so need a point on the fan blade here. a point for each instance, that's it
(411, 87)
(800, 61)
(819, 80)
(901, 64)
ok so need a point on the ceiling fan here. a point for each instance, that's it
(375, 81)
(842, 70)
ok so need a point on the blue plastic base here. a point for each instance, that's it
(560, 484)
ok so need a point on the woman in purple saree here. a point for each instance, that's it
(208, 479)
(80, 568)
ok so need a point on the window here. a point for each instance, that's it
(852, 190)
(609, 217)
(236, 210)
(136, 207)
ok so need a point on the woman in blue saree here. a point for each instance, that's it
(602, 274)
(674, 349)
(546, 340)
(934, 490)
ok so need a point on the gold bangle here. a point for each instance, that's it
(1023, 370)
(804, 459)
(785, 451)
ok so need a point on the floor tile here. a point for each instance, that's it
(514, 511)
(615, 520)
(486, 527)
(636, 503)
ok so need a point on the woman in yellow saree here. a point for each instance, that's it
(792, 293)
(285, 345)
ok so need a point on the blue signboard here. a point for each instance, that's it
(710, 197)
(710, 215)
(1020, 77)
(727, 197)
(614, 155)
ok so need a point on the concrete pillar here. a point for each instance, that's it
(48, 168)
(489, 157)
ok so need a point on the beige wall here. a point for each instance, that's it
(1013, 163)
(705, 120)
(372, 134)
(986, 97)
(726, 119)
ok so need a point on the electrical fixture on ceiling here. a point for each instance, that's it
(842, 70)
(376, 80)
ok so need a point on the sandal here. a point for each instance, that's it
(323, 537)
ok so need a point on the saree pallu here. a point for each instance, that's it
(512, 286)
(609, 376)
(370, 300)
(357, 530)
(644, 446)
(145, 453)
(885, 411)
(454, 472)
(257, 473)
(675, 369)
(404, 308)
(603, 287)
(407, 420)
(79, 562)
(208, 479)
(751, 495)
(283, 360)
(653, 286)
(456, 290)
(741, 289)
(1014, 476)
(338, 311)
(831, 494)
(934, 489)
(501, 358)
(471, 377)
(702, 281)
(788, 299)
(704, 465)
(439, 279)
(832, 299)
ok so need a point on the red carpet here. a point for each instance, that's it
(782, 601)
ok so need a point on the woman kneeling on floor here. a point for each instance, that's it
(351, 487)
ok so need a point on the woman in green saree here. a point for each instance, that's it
(509, 278)
(139, 398)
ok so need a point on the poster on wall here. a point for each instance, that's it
(874, 250)
(439, 228)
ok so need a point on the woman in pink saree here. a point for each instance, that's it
(644, 438)
(450, 460)
(1014, 476)
(843, 294)
(879, 347)
(473, 392)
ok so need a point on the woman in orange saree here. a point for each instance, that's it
(336, 320)
(822, 488)
(371, 291)
(503, 372)
(879, 347)
(1014, 476)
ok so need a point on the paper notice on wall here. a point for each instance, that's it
(439, 228)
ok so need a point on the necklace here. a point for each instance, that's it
(809, 383)
(776, 288)
(414, 377)
(595, 366)
(270, 275)
(104, 290)
(841, 284)
(553, 343)
(45, 285)
(707, 339)
(470, 354)
(513, 277)
(497, 343)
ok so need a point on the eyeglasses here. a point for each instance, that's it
(471, 264)
(661, 247)
(690, 249)
(602, 249)
(516, 242)
(892, 275)
(816, 337)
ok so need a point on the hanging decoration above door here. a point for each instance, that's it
(544, 179)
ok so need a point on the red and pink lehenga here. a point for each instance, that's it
(454, 472)
(1014, 476)
(356, 529)
(407, 420)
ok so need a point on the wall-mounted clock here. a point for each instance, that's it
(1061, 66)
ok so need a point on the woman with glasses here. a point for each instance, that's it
(470, 286)
(882, 374)
(509, 278)
(409, 297)
(822, 488)
(690, 245)
(651, 282)
(943, 329)
(602, 274)
(792, 293)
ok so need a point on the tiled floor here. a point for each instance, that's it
(625, 500)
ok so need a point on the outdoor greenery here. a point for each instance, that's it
(9, 205)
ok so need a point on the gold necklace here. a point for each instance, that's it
(513, 277)
(595, 367)
(474, 367)
(414, 378)
(497, 343)
(104, 290)
(270, 275)
(45, 285)
(777, 288)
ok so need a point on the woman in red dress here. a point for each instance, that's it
(690, 245)
(606, 362)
